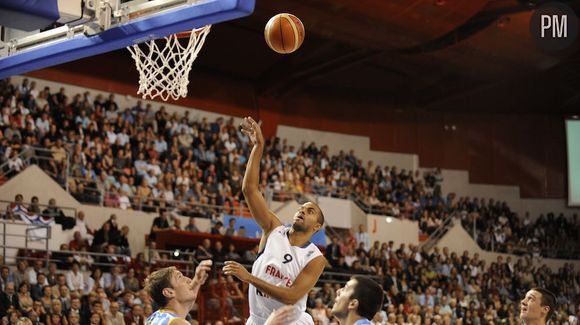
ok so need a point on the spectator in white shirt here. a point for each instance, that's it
(363, 237)
(86, 232)
(113, 282)
(74, 278)
(114, 316)
(43, 124)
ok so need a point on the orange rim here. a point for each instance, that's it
(183, 34)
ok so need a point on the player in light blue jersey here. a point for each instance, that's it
(358, 301)
(175, 293)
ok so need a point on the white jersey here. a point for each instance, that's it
(279, 263)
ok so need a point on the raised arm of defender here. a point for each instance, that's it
(250, 187)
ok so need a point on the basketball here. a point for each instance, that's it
(284, 33)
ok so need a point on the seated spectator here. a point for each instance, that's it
(151, 254)
(53, 211)
(111, 259)
(203, 251)
(191, 225)
(46, 299)
(114, 316)
(136, 316)
(218, 251)
(56, 316)
(34, 206)
(36, 288)
(74, 278)
(332, 252)
(85, 230)
(113, 282)
(217, 229)
(64, 258)
(122, 241)
(130, 281)
(84, 259)
(103, 238)
(78, 242)
(24, 299)
(232, 254)
(159, 223)
(20, 274)
(231, 229)
(251, 255)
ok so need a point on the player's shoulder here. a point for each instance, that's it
(280, 230)
(178, 321)
(310, 251)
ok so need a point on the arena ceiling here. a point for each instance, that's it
(413, 52)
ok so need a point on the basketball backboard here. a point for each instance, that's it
(108, 25)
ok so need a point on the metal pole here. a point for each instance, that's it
(67, 171)
(26, 240)
(474, 229)
(4, 241)
(48, 235)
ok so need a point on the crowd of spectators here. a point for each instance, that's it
(443, 287)
(440, 287)
(141, 158)
(547, 236)
(94, 280)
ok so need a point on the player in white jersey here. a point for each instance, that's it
(174, 293)
(288, 264)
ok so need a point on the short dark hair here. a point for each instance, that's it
(369, 295)
(156, 282)
(548, 299)
(320, 218)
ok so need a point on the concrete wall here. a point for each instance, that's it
(358, 217)
(34, 182)
(337, 212)
(14, 235)
(398, 230)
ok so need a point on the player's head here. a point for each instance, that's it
(167, 284)
(361, 296)
(308, 218)
(538, 304)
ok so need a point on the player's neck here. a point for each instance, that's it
(180, 310)
(350, 319)
(298, 238)
(535, 322)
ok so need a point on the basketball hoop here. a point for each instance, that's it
(164, 68)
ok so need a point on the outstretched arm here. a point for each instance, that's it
(201, 275)
(289, 296)
(265, 218)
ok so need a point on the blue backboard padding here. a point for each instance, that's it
(28, 15)
(163, 24)
(254, 231)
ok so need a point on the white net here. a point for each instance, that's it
(164, 64)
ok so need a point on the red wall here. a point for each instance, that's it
(513, 149)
